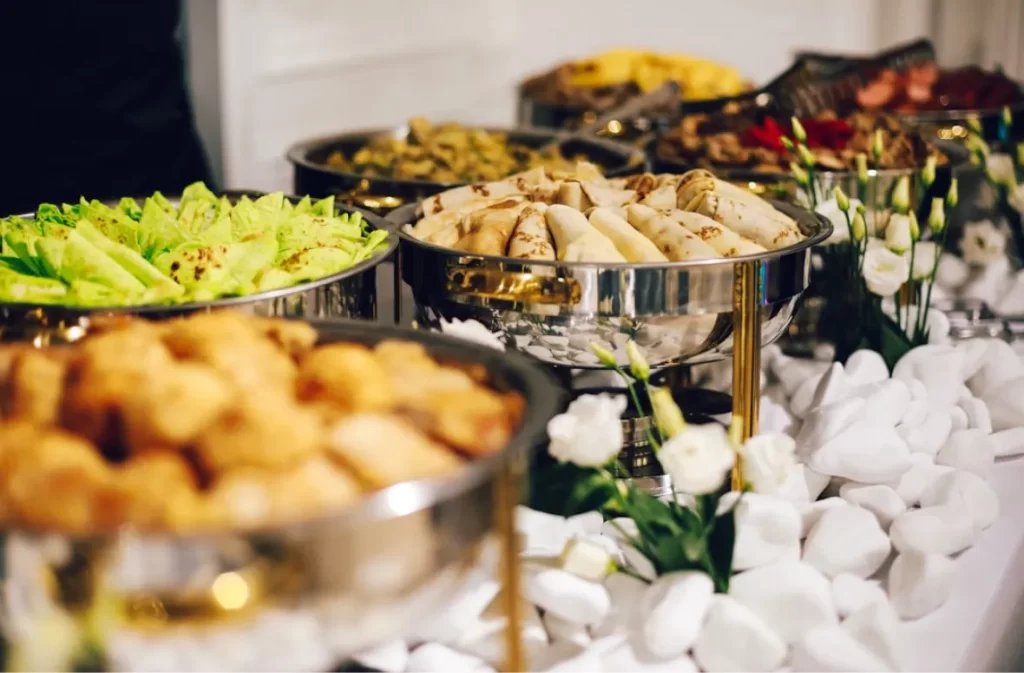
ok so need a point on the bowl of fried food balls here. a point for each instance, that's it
(223, 466)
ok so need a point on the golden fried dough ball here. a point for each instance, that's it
(34, 387)
(346, 375)
(159, 492)
(475, 422)
(261, 429)
(251, 497)
(172, 407)
(404, 355)
(61, 482)
(294, 337)
(384, 449)
(136, 346)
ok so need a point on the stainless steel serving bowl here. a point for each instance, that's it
(678, 313)
(351, 293)
(314, 176)
(299, 597)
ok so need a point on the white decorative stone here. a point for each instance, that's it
(390, 657)
(866, 366)
(1006, 404)
(928, 437)
(568, 596)
(830, 387)
(917, 390)
(766, 526)
(915, 414)
(542, 533)
(851, 593)
(774, 417)
(939, 368)
(959, 418)
(999, 365)
(638, 563)
(877, 627)
(1009, 442)
(812, 513)
(935, 530)
(625, 592)
(436, 658)
(824, 423)
(971, 450)
(920, 583)
(559, 629)
(735, 639)
(923, 471)
(846, 540)
(485, 638)
(863, 452)
(588, 523)
(794, 372)
(977, 414)
(621, 529)
(566, 657)
(462, 613)
(625, 657)
(879, 499)
(959, 489)
(886, 402)
(974, 351)
(672, 612)
(964, 394)
(790, 597)
(830, 648)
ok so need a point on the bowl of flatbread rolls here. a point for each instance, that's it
(554, 264)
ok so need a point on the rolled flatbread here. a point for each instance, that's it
(633, 245)
(431, 224)
(671, 179)
(570, 193)
(642, 183)
(453, 198)
(607, 196)
(531, 238)
(745, 220)
(724, 240)
(674, 240)
(491, 228)
(662, 198)
(741, 195)
(688, 192)
(588, 172)
(576, 240)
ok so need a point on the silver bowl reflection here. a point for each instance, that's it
(338, 584)
(351, 293)
(678, 313)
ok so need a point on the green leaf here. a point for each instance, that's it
(721, 544)
(894, 342)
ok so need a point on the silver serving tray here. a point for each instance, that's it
(362, 576)
(351, 293)
(678, 313)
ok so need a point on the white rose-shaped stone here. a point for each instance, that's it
(698, 458)
(884, 271)
(472, 330)
(589, 433)
(766, 461)
(982, 242)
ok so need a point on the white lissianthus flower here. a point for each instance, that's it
(589, 433)
(924, 259)
(472, 330)
(982, 243)
(884, 271)
(698, 459)
(831, 211)
(897, 233)
(1000, 169)
(766, 461)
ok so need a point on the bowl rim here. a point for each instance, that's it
(376, 221)
(542, 397)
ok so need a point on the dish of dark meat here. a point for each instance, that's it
(928, 88)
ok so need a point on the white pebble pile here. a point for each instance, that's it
(889, 487)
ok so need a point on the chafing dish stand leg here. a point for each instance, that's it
(746, 354)
(507, 493)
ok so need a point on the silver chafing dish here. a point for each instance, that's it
(678, 313)
(301, 597)
(351, 293)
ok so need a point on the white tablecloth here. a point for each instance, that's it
(981, 626)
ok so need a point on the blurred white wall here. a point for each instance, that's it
(285, 70)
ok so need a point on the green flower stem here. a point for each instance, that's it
(913, 252)
(849, 228)
(654, 414)
(939, 247)
(636, 403)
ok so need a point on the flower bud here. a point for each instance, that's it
(1007, 117)
(928, 172)
(937, 216)
(637, 363)
(1020, 155)
(806, 156)
(604, 356)
(901, 196)
(876, 145)
(667, 413)
(974, 124)
(860, 227)
(861, 209)
(799, 174)
(953, 195)
(841, 200)
(915, 228)
(897, 233)
(862, 168)
(798, 130)
(788, 144)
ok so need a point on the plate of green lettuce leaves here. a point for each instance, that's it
(199, 248)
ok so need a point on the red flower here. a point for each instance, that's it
(833, 134)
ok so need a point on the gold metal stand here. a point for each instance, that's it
(507, 496)
(746, 353)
